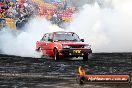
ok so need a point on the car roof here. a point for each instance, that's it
(58, 32)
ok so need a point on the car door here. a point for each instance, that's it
(49, 45)
(43, 44)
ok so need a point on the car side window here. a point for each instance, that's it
(44, 38)
(50, 36)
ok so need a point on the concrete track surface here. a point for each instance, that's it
(26, 72)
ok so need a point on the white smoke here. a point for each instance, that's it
(24, 43)
(107, 30)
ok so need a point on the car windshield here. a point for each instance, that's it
(66, 37)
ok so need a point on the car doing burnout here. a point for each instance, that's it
(63, 44)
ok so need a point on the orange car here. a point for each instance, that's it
(63, 44)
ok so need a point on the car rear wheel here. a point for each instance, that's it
(56, 55)
(37, 50)
(85, 57)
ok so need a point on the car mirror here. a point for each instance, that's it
(82, 40)
(51, 40)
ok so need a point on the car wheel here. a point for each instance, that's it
(42, 56)
(37, 50)
(85, 57)
(56, 55)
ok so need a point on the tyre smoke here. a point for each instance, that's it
(106, 29)
(23, 43)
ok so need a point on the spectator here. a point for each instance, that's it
(22, 10)
(2, 23)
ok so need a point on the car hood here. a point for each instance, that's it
(72, 43)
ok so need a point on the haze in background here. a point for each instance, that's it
(106, 29)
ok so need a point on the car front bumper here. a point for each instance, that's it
(75, 52)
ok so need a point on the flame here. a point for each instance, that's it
(81, 71)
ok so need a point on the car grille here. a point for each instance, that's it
(80, 46)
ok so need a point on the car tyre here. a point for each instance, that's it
(56, 55)
(85, 57)
(42, 56)
(37, 50)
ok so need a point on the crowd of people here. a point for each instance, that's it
(18, 10)
(57, 11)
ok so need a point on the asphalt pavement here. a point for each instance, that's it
(27, 72)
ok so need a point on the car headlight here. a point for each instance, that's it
(65, 46)
(87, 47)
